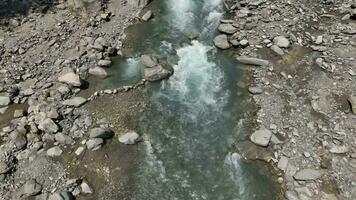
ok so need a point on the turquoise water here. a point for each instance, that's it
(195, 117)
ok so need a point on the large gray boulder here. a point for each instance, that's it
(48, 126)
(4, 100)
(98, 71)
(308, 174)
(281, 41)
(31, 188)
(129, 138)
(261, 137)
(147, 16)
(75, 102)
(70, 78)
(156, 73)
(94, 144)
(149, 61)
(222, 42)
(227, 28)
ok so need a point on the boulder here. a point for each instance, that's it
(147, 16)
(156, 73)
(277, 50)
(261, 137)
(70, 78)
(61, 138)
(31, 188)
(98, 71)
(149, 61)
(48, 126)
(101, 133)
(227, 28)
(75, 102)
(54, 151)
(129, 138)
(4, 100)
(4, 168)
(86, 189)
(308, 174)
(281, 41)
(352, 100)
(94, 143)
(222, 42)
(104, 63)
(255, 90)
(252, 61)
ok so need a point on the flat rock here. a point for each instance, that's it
(61, 196)
(104, 63)
(283, 163)
(86, 189)
(31, 188)
(147, 16)
(98, 71)
(54, 151)
(94, 143)
(352, 100)
(339, 149)
(227, 28)
(222, 42)
(61, 138)
(4, 100)
(255, 90)
(18, 139)
(129, 138)
(149, 61)
(101, 133)
(277, 50)
(48, 126)
(252, 61)
(75, 102)
(70, 78)
(156, 73)
(308, 174)
(261, 137)
(281, 41)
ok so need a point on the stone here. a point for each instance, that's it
(352, 100)
(79, 151)
(277, 50)
(61, 138)
(19, 113)
(94, 143)
(61, 196)
(319, 40)
(222, 42)
(244, 43)
(3, 110)
(227, 28)
(308, 174)
(18, 139)
(101, 133)
(139, 3)
(70, 78)
(129, 138)
(261, 137)
(48, 126)
(4, 168)
(336, 149)
(31, 188)
(98, 71)
(147, 16)
(255, 90)
(252, 61)
(283, 163)
(149, 61)
(75, 102)
(156, 73)
(54, 151)
(4, 100)
(86, 189)
(104, 63)
(281, 41)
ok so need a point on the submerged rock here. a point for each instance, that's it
(156, 73)
(222, 42)
(252, 61)
(149, 61)
(129, 138)
(261, 137)
(48, 126)
(147, 16)
(94, 144)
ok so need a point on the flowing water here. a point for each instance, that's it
(194, 117)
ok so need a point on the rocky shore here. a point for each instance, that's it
(301, 56)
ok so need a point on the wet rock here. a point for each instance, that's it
(221, 41)
(281, 41)
(261, 137)
(227, 28)
(48, 126)
(352, 100)
(308, 174)
(156, 73)
(94, 144)
(54, 151)
(147, 16)
(255, 90)
(86, 189)
(104, 63)
(4, 100)
(70, 78)
(101, 133)
(31, 188)
(75, 102)
(252, 61)
(98, 71)
(129, 138)
(149, 61)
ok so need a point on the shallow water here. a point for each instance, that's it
(195, 117)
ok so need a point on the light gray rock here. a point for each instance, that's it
(149, 61)
(101, 133)
(19, 113)
(79, 151)
(31, 188)
(70, 78)
(283, 163)
(352, 100)
(277, 50)
(227, 28)
(104, 63)
(308, 174)
(222, 42)
(261, 137)
(255, 90)
(281, 41)
(129, 138)
(147, 16)
(4, 100)
(18, 139)
(3, 110)
(86, 189)
(244, 43)
(139, 3)
(156, 73)
(252, 61)
(54, 151)
(94, 143)
(338, 149)
(61, 196)
(48, 126)
(98, 71)
(75, 102)
(63, 139)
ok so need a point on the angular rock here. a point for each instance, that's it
(252, 61)
(277, 50)
(63, 139)
(86, 189)
(4, 168)
(261, 137)
(31, 188)
(244, 43)
(95, 143)
(104, 63)
(149, 61)
(222, 42)
(18, 139)
(283, 163)
(147, 16)
(255, 90)
(4, 100)
(48, 126)
(336, 149)
(281, 41)
(156, 73)
(308, 174)
(129, 138)
(79, 151)
(352, 100)
(61, 196)
(227, 28)
(75, 102)
(101, 133)
(54, 151)
(70, 78)
(98, 71)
